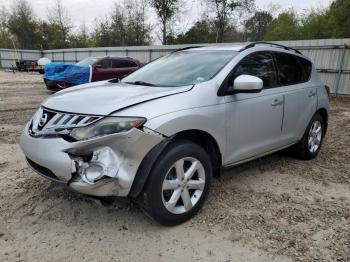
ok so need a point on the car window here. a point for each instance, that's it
(87, 61)
(289, 69)
(123, 63)
(306, 67)
(259, 64)
(106, 63)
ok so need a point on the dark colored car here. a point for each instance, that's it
(103, 68)
(26, 65)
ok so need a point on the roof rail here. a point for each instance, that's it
(187, 47)
(272, 44)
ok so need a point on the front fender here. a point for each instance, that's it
(210, 119)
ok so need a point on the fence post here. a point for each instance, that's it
(0, 60)
(63, 58)
(150, 56)
(126, 52)
(76, 56)
(340, 69)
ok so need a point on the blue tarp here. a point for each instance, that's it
(68, 73)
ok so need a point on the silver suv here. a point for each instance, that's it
(161, 134)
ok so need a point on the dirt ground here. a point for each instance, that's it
(277, 208)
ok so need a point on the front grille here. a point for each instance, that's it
(43, 171)
(48, 122)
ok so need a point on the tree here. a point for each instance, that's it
(224, 10)
(102, 33)
(50, 36)
(165, 10)
(59, 19)
(81, 39)
(315, 25)
(23, 26)
(125, 26)
(138, 31)
(284, 27)
(256, 26)
(202, 31)
(5, 36)
(339, 19)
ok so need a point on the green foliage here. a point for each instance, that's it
(81, 39)
(224, 10)
(256, 26)
(315, 26)
(201, 32)
(204, 31)
(23, 26)
(123, 28)
(284, 27)
(126, 25)
(5, 36)
(333, 22)
(339, 19)
(60, 25)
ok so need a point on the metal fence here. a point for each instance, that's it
(330, 56)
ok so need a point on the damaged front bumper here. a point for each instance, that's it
(102, 166)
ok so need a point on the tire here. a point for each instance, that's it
(306, 149)
(165, 193)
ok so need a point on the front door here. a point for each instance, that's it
(254, 120)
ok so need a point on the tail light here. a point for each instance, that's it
(328, 90)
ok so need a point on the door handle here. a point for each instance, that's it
(312, 93)
(276, 102)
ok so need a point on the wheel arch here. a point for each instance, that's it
(199, 137)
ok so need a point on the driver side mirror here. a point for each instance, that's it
(246, 84)
(98, 67)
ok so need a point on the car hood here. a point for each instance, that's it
(103, 98)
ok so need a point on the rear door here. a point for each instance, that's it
(300, 96)
(254, 120)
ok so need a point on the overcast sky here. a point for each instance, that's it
(87, 10)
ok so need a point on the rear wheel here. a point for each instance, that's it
(179, 183)
(310, 144)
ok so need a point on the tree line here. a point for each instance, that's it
(127, 24)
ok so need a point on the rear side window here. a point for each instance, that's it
(259, 64)
(123, 63)
(292, 69)
(306, 67)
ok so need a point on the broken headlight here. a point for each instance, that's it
(107, 126)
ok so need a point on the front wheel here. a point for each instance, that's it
(179, 183)
(309, 146)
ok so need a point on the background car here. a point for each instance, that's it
(102, 68)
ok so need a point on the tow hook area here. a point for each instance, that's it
(104, 163)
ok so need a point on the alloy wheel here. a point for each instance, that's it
(315, 136)
(183, 185)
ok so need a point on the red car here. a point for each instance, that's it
(103, 68)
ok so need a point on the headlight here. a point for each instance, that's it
(107, 126)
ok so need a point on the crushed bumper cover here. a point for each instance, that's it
(103, 166)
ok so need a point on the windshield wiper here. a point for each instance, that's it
(141, 83)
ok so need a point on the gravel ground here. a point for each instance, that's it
(273, 209)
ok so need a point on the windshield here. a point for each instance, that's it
(181, 68)
(87, 61)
